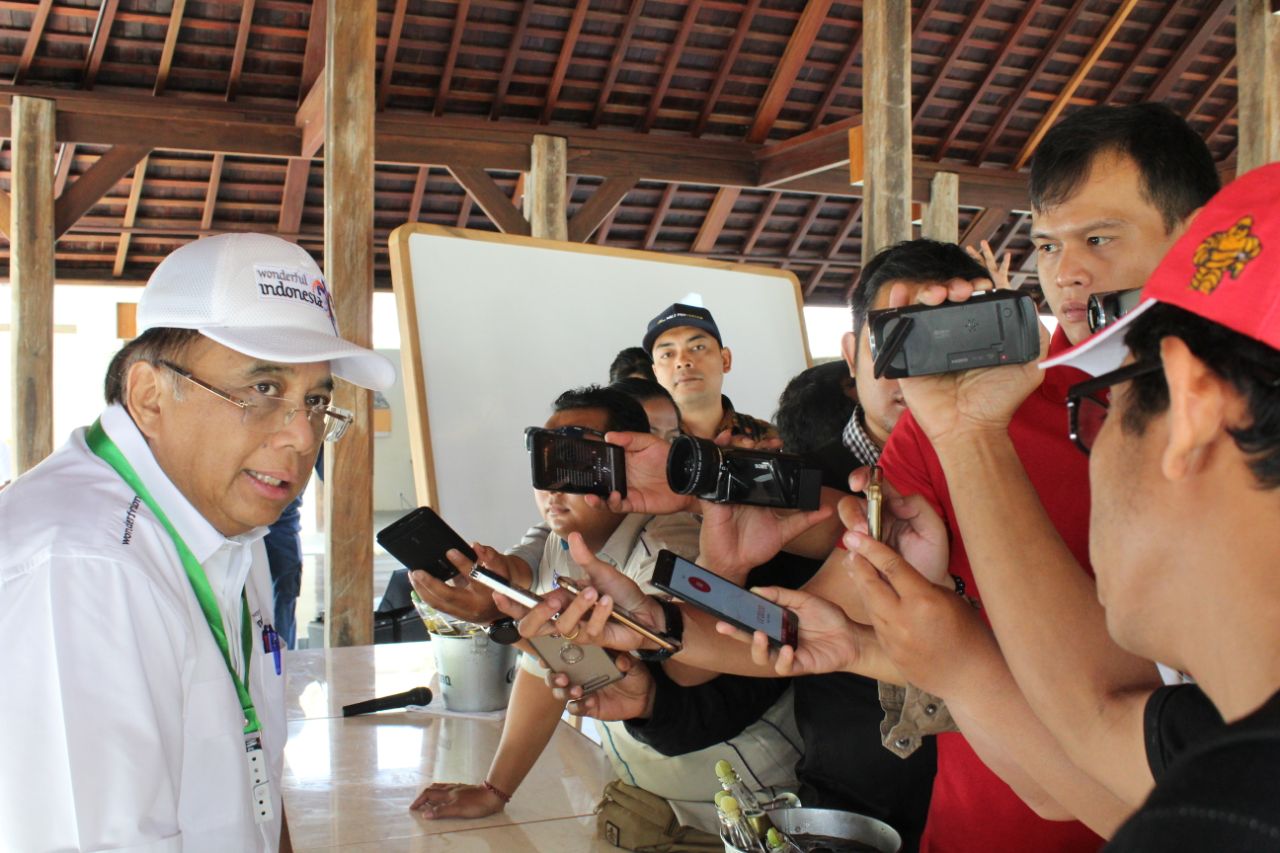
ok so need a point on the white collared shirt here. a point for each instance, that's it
(120, 727)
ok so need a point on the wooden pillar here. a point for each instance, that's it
(1258, 76)
(545, 205)
(886, 27)
(942, 213)
(348, 258)
(31, 274)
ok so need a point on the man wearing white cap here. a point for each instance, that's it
(143, 690)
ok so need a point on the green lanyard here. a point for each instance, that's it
(101, 444)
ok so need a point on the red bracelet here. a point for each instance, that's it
(497, 792)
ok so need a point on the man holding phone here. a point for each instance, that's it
(631, 543)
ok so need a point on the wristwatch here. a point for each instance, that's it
(674, 632)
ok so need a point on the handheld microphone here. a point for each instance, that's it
(416, 696)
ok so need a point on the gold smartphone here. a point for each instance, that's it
(622, 617)
(875, 504)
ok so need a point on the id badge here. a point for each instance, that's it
(259, 782)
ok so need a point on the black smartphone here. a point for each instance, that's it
(569, 463)
(420, 539)
(724, 599)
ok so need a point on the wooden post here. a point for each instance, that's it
(545, 205)
(349, 75)
(1258, 76)
(886, 27)
(941, 214)
(31, 274)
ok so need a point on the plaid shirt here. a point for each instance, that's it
(855, 438)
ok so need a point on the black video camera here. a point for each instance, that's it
(1107, 308)
(728, 475)
(992, 328)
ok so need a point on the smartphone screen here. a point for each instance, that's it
(564, 463)
(708, 591)
(420, 540)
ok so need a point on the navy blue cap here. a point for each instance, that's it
(677, 315)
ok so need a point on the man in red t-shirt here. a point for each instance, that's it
(1112, 189)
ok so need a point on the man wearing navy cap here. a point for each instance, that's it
(690, 361)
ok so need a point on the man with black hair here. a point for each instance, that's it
(632, 362)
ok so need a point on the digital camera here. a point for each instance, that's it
(730, 475)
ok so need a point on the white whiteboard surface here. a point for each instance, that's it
(494, 327)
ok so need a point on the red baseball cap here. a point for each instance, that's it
(1224, 268)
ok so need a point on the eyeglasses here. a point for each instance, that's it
(267, 414)
(1087, 404)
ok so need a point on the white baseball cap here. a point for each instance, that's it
(259, 295)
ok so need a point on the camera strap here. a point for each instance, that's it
(102, 445)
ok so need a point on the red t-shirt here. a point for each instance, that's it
(972, 809)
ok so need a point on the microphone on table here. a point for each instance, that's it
(416, 696)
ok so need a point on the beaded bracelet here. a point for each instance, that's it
(497, 792)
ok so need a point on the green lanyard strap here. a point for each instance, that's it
(102, 445)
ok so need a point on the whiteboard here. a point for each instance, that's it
(494, 327)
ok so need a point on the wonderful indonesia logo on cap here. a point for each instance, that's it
(292, 284)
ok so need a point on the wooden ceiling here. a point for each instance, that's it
(730, 113)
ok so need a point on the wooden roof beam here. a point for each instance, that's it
(985, 225)
(211, 193)
(90, 187)
(66, 157)
(389, 55)
(674, 52)
(806, 154)
(659, 214)
(766, 211)
(837, 81)
(313, 55)
(170, 45)
(784, 76)
(562, 62)
(978, 187)
(509, 64)
(451, 59)
(726, 65)
(717, 215)
(38, 20)
(310, 119)
(130, 216)
(810, 216)
(98, 41)
(595, 210)
(419, 193)
(6, 213)
(1069, 90)
(492, 200)
(293, 196)
(615, 63)
(242, 46)
(1172, 73)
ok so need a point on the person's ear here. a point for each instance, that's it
(726, 358)
(1200, 409)
(849, 350)
(145, 396)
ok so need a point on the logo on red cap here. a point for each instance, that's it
(1224, 253)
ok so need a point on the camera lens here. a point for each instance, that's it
(1097, 311)
(692, 466)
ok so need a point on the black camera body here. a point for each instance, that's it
(1107, 308)
(992, 328)
(729, 475)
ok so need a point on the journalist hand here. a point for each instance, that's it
(953, 406)
(454, 799)
(910, 525)
(828, 641)
(935, 638)
(460, 597)
(630, 698)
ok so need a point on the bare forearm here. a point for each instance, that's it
(1045, 611)
(532, 717)
(820, 539)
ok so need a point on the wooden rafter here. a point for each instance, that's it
(313, 55)
(674, 52)
(293, 196)
(1068, 91)
(1228, 66)
(419, 192)
(464, 210)
(1141, 54)
(1172, 73)
(451, 59)
(659, 214)
(984, 226)
(957, 44)
(602, 233)
(815, 278)
(843, 70)
(1011, 38)
(726, 65)
(784, 76)
(492, 200)
(509, 65)
(130, 216)
(807, 154)
(766, 211)
(211, 193)
(98, 41)
(562, 62)
(717, 216)
(242, 46)
(615, 63)
(90, 187)
(38, 20)
(595, 210)
(802, 230)
(517, 191)
(1046, 55)
(66, 157)
(389, 56)
(6, 213)
(170, 45)
(845, 229)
